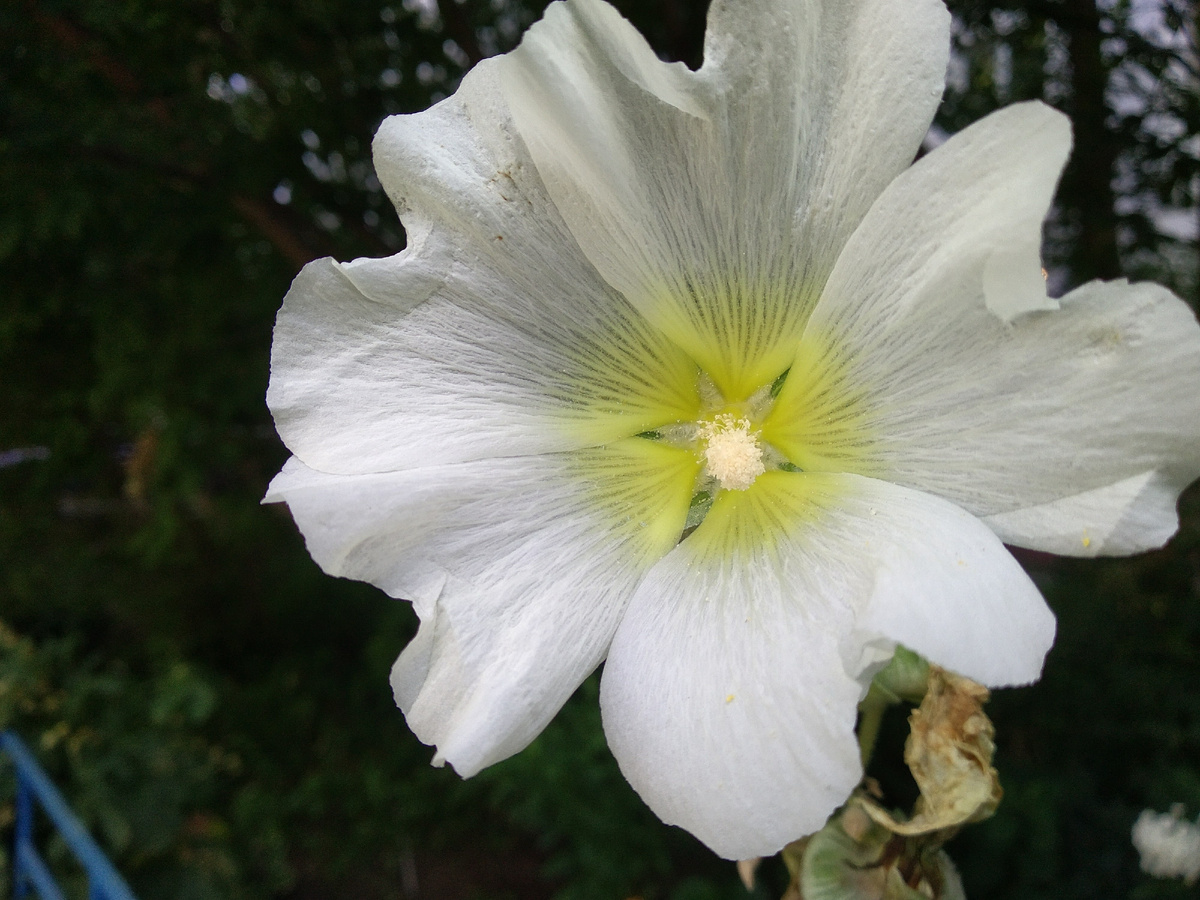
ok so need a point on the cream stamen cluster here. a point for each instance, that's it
(732, 453)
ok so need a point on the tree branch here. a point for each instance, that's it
(284, 239)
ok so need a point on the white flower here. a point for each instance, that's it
(1169, 847)
(631, 291)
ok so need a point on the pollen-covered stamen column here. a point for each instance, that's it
(732, 452)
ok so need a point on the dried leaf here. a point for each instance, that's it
(853, 857)
(949, 751)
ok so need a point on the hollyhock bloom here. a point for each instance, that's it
(696, 373)
(1169, 846)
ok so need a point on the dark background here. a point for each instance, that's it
(216, 708)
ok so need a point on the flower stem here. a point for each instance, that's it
(870, 718)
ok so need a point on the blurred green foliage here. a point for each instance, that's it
(141, 770)
(215, 708)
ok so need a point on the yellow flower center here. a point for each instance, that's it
(738, 463)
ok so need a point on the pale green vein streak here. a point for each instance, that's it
(629, 383)
(779, 506)
(821, 418)
(642, 488)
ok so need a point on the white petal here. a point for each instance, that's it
(1118, 519)
(725, 700)
(954, 374)
(730, 690)
(518, 568)
(944, 585)
(716, 200)
(489, 335)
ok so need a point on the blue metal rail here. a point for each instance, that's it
(29, 869)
